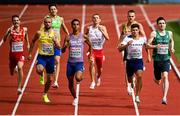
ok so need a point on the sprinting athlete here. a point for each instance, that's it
(97, 34)
(126, 31)
(75, 66)
(47, 40)
(17, 35)
(162, 43)
(57, 24)
(134, 62)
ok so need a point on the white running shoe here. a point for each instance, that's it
(92, 86)
(129, 89)
(164, 101)
(75, 102)
(144, 68)
(137, 100)
(98, 82)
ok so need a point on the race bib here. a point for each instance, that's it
(135, 53)
(17, 47)
(75, 52)
(96, 43)
(47, 48)
(163, 49)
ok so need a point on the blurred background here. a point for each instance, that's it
(86, 1)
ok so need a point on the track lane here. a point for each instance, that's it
(111, 98)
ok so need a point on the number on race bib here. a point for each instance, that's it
(17, 47)
(75, 52)
(163, 49)
(47, 48)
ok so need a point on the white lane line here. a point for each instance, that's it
(78, 85)
(118, 33)
(77, 96)
(115, 20)
(22, 12)
(153, 28)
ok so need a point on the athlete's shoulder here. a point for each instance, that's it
(61, 18)
(170, 32)
(25, 28)
(39, 32)
(9, 30)
(154, 32)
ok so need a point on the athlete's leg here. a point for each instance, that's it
(71, 86)
(20, 73)
(99, 64)
(138, 82)
(50, 73)
(92, 73)
(40, 69)
(79, 76)
(12, 65)
(57, 63)
(165, 86)
(46, 88)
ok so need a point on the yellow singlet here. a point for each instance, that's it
(46, 44)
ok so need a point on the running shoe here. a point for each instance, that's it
(137, 100)
(92, 86)
(41, 80)
(129, 89)
(164, 101)
(98, 82)
(55, 85)
(45, 98)
(19, 91)
(75, 102)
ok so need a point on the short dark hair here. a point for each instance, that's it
(15, 16)
(160, 18)
(131, 11)
(49, 6)
(135, 25)
(74, 21)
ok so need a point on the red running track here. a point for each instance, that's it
(111, 97)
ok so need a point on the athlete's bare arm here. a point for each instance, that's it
(87, 30)
(150, 40)
(27, 38)
(64, 26)
(86, 39)
(56, 42)
(122, 36)
(124, 46)
(6, 36)
(141, 29)
(65, 44)
(35, 38)
(171, 42)
(104, 31)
